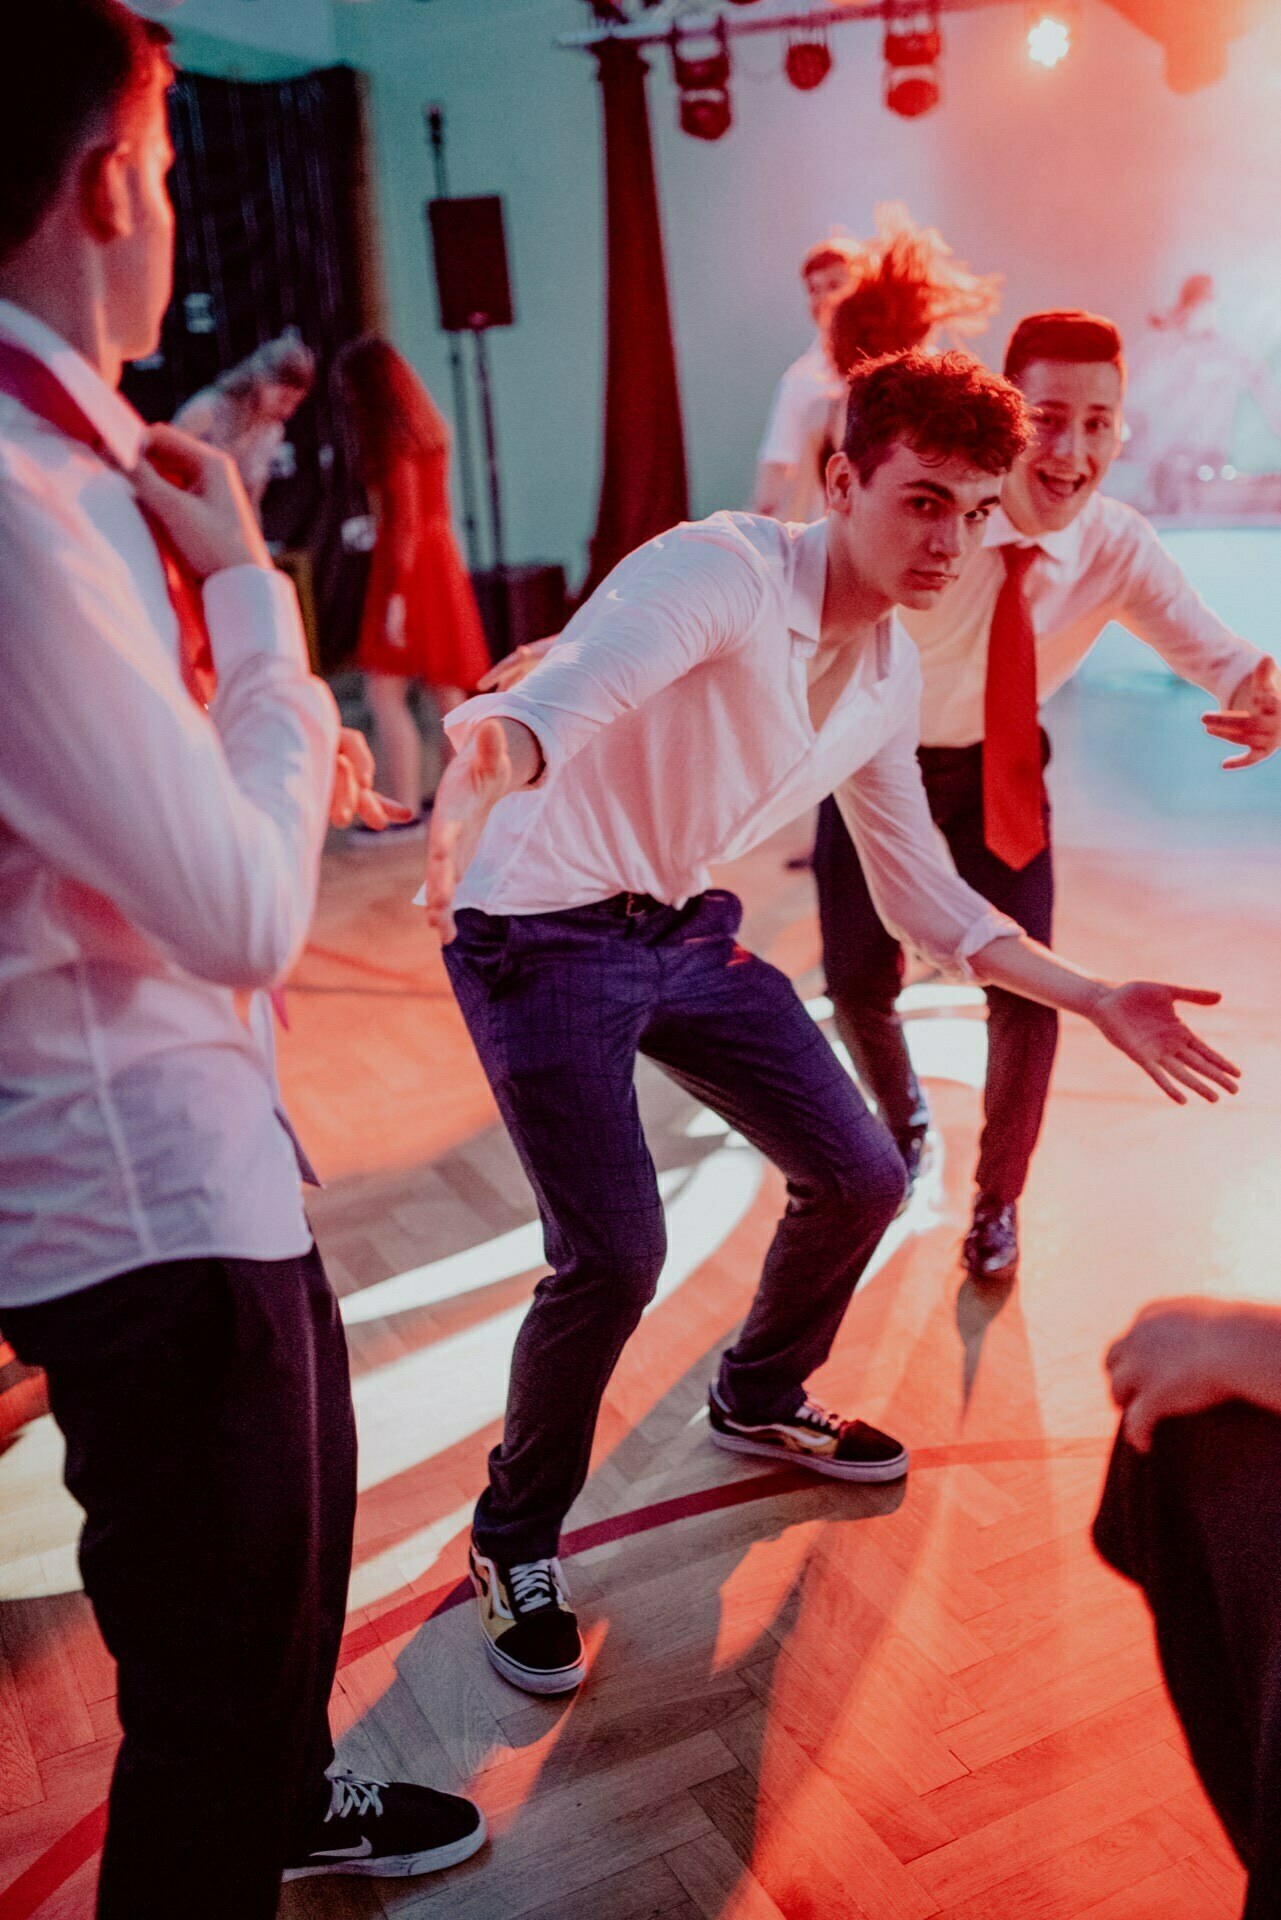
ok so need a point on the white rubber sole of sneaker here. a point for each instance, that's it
(529, 1679)
(870, 1474)
(398, 1866)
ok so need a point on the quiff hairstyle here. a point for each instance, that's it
(69, 67)
(944, 406)
(1065, 334)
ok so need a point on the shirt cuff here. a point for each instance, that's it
(253, 610)
(462, 723)
(1241, 667)
(988, 927)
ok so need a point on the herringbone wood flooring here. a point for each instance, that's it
(923, 1703)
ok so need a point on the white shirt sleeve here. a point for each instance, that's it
(914, 884)
(787, 427)
(203, 830)
(672, 604)
(1162, 609)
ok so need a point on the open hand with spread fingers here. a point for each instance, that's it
(501, 757)
(1139, 1018)
(1253, 719)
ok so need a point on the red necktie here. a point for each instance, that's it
(39, 389)
(1013, 827)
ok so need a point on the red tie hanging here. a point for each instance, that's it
(1013, 827)
(40, 391)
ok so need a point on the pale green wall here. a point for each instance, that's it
(521, 120)
(1092, 185)
(299, 29)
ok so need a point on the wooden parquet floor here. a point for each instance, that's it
(927, 1702)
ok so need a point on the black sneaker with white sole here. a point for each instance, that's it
(389, 1830)
(531, 1631)
(814, 1438)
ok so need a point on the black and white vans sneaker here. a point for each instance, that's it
(814, 1438)
(531, 1631)
(389, 1830)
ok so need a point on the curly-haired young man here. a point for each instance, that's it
(724, 678)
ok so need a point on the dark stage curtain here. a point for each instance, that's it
(643, 486)
(272, 229)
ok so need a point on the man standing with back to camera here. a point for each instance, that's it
(155, 857)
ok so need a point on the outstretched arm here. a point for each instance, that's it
(1138, 1017)
(1182, 1356)
(1161, 607)
(920, 896)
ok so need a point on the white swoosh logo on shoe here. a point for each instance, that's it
(362, 1852)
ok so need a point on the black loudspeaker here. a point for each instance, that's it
(525, 603)
(471, 263)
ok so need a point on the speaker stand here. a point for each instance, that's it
(502, 612)
(434, 117)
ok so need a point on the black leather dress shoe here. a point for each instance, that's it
(991, 1250)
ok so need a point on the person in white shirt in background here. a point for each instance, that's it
(789, 483)
(157, 860)
(1059, 561)
(723, 678)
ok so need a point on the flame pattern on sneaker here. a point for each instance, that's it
(812, 1437)
(530, 1630)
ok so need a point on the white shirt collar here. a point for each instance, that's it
(1062, 544)
(122, 428)
(805, 605)
(809, 580)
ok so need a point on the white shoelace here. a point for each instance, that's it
(534, 1585)
(815, 1416)
(350, 1794)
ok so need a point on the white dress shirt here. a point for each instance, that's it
(673, 716)
(153, 858)
(1108, 565)
(799, 418)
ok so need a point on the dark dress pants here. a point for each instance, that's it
(559, 1005)
(1197, 1524)
(210, 1440)
(864, 968)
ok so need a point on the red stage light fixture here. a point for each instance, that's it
(702, 79)
(912, 47)
(807, 63)
(912, 94)
(705, 116)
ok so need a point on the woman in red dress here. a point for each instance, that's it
(421, 620)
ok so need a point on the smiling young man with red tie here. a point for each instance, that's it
(158, 861)
(1058, 561)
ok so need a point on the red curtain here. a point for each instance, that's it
(643, 486)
